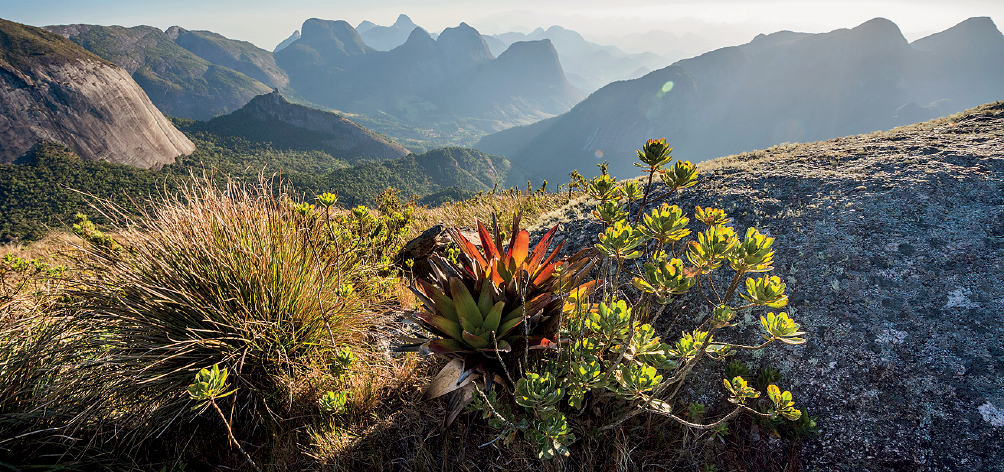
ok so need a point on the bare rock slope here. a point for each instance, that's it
(53, 90)
(892, 248)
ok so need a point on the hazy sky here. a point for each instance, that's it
(266, 22)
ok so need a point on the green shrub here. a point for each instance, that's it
(608, 355)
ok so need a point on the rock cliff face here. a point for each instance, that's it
(893, 254)
(51, 89)
(179, 82)
(341, 134)
(525, 83)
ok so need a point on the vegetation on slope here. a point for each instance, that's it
(22, 45)
(50, 184)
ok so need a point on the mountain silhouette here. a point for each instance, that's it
(453, 78)
(783, 87)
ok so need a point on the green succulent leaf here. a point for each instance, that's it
(621, 240)
(538, 392)
(711, 216)
(783, 404)
(782, 328)
(632, 190)
(655, 153)
(494, 317)
(683, 174)
(639, 378)
(467, 310)
(474, 340)
(713, 245)
(754, 253)
(209, 385)
(610, 212)
(333, 402)
(327, 199)
(610, 319)
(739, 390)
(666, 224)
(690, 344)
(604, 188)
(664, 277)
(766, 291)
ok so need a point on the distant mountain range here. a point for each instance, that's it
(385, 38)
(453, 78)
(189, 74)
(782, 87)
(587, 65)
(52, 90)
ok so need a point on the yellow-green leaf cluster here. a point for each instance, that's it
(766, 291)
(666, 224)
(782, 328)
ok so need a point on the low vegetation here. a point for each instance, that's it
(49, 185)
(238, 326)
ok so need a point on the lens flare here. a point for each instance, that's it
(599, 154)
(666, 87)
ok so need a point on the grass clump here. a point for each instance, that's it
(273, 293)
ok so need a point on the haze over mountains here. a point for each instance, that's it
(782, 87)
(587, 65)
(452, 78)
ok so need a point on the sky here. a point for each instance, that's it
(720, 22)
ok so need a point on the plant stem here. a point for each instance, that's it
(230, 433)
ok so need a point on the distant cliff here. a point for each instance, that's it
(53, 90)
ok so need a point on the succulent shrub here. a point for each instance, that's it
(613, 351)
(495, 306)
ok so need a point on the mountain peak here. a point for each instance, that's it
(977, 33)
(880, 29)
(536, 60)
(419, 35)
(337, 33)
(365, 26)
(174, 31)
(286, 42)
(464, 47)
(404, 22)
(342, 133)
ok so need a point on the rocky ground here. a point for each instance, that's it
(892, 246)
